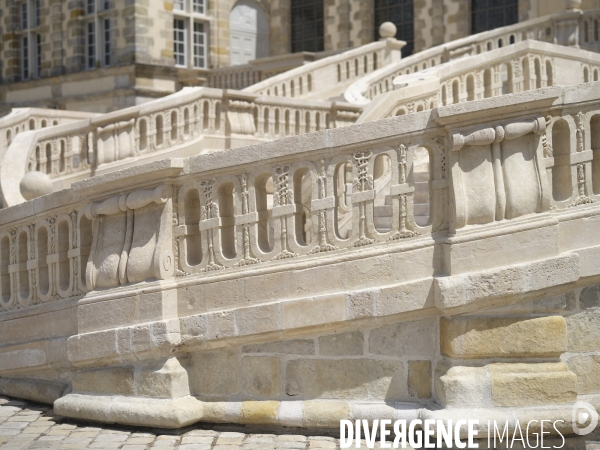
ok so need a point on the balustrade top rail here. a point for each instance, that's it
(26, 119)
(521, 157)
(561, 28)
(172, 124)
(519, 67)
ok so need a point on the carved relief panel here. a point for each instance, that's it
(497, 173)
(131, 238)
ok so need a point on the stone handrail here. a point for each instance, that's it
(560, 28)
(244, 75)
(329, 76)
(519, 67)
(191, 121)
(212, 214)
(26, 119)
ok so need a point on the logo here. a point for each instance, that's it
(585, 418)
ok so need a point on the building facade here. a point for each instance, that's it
(104, 55)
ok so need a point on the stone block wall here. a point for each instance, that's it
(389, 363)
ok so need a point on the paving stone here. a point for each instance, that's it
(197, 440)
(194, 447)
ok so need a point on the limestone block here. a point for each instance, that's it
(290, 413)
(563, 302)
(361, 303)
(260, 376)
(416, 338)
(346, 379)
(503, 337)
(461, 290)
(220, 325)
(110, 381)
(325, 414)
(583, 332)
(587, 369)
(23, 356)
(139, 411)
(34, 389)
(292, 347)
(590, 297)
(163, 379)
(264, 412)
(532, 384)
(419, 379)
(213, 373)
(463, 386)
(404, 297)
(342, 344)
(301, 313)
(39, 326)
(258, 319)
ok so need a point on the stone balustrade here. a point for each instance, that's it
(255, 71)
(328, 77)
(519, 67)
(224, 213)
(221, 287)
(192, 121)
(27, 119)
(567, 29)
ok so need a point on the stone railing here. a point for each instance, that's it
(328, 77)
(229, 213)
(26, 119)
(221, 288)
(192, 121)
(519, 67)
(561, 28)
(244, 75)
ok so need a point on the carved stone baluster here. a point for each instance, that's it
(402, 191)
(32, 265)
(248, 258)
(362, 184)
(545, 145)
(323, 246)
(75, 251)
(580, 133)
(14, 280)
(582, 199)
(53, 267)
(208, 212)
(282, 207)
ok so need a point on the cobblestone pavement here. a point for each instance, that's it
(25, 425)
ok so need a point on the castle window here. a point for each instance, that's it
(38, 15)
(199, 44)
(401, 14)
(489, 14)
(190, 30)
(307, 26)
(179, 42)
(38, 55)
(90, 45)
(25, 58)
(198, 6)
(24, 17)
(106, 41)
(97, 34)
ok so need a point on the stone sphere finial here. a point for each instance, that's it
(572, 4)
(35, 184)
(387, 30)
